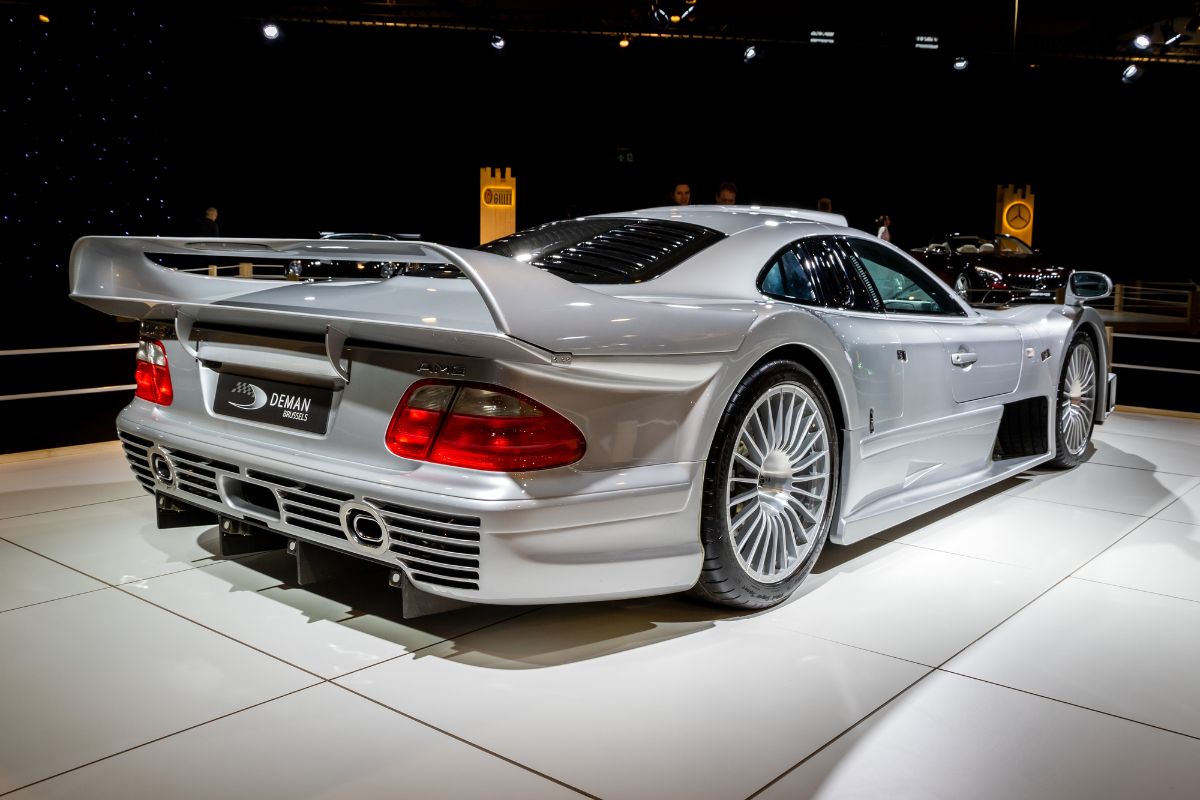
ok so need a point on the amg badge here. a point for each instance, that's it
(447, 370)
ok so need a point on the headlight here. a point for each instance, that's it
(991, 276)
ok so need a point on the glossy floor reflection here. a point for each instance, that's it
(1038, 640)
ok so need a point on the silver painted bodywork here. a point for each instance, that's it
(644, 371)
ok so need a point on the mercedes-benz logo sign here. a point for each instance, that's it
(1018, 216)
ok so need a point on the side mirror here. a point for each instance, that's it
(1084, 286)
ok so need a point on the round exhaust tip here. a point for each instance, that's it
(364, 526)
(161, 466)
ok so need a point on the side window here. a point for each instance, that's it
(839, 281)
(902, 286)
(788, 278)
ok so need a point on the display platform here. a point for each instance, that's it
(1036, 640)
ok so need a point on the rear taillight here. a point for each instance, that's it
(153, 375)
(481, 427)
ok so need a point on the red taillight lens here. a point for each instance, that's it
(153, 375)
(481, 427)
(417, 418)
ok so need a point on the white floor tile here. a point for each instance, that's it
(88, 676)
(908, 602)
(1185, 509)
(1159, 556)
(1117, 650)
(1180, 456)
(1013, 530)
(27, 578)
(641, 700)
(1154, 426)
(116, 542)
(1128, 491)
(330, 628)
(44, 484)
(323, 742)
(953, 737)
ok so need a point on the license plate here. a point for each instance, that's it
(289, 405)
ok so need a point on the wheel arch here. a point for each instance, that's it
(812, 361)
(1092, 326)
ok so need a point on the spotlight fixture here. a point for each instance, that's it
(270, 31)
(1170, 36)
(1131, 73)
(623, 42)
(498, 42)
(961, 63)
(672, 12)
(43, 18)
(750, 54)
(1142, 41)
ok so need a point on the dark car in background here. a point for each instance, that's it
(992, 270)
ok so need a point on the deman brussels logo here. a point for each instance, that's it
(288, 405)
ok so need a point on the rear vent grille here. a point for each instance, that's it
(442, 549)
(437, 548)
(607, 250)
(135, 452)
(196, 475)
(306, 505)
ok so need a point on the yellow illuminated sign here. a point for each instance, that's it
(498, 196)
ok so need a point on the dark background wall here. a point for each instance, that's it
(135, 119)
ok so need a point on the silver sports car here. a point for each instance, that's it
(668, 399)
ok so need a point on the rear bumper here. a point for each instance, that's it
(536, 538)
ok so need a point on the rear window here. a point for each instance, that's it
(606, 250)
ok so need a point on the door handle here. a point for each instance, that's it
(963, 359)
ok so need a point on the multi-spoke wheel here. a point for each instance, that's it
(962, 285)
(1076, 402)
(770, 488)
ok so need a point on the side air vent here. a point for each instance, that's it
(1023, 430)
(441, 549)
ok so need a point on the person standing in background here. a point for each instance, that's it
(727, 194)
(885, 223)
(209, 227)
(681, 195)
(825, 204)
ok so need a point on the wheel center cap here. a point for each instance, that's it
(776, 473)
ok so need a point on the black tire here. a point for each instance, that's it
(736, 572)
(1075, 403)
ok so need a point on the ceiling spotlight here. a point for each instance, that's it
(1131, 73)
(750, 54)
(623, 41)
(498, 42)
(672, 12)
(960, 63)
(270, 31)
(1142, 41)
(43, 18)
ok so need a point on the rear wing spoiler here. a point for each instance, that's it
(503, 307)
